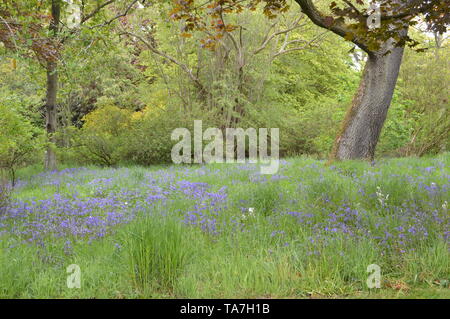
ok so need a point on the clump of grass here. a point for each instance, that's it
(157, 251)
(138, 174)
(265, 198)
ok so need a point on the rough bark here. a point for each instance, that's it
(365, 118)
(52, 90)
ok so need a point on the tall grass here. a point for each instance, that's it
(156, 250)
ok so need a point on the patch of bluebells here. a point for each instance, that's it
(398, 232)
(66, 217)
(71, 217)
(208, 205)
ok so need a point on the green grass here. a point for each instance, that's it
(157, 250)
(158, 256)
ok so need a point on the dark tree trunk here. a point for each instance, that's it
(51, 113)
(52, 90)
(365, 118)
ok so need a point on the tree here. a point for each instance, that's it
(230, 78)
(52, 86)
(365, 118)
(37, 26)
(384, 46)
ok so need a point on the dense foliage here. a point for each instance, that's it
(124, 87)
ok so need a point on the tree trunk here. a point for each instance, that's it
(52, 90)
(51, 113)
(365, 118)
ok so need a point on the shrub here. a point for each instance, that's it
(149, 141)
(101, 138)
(418, 122)
(19, 141)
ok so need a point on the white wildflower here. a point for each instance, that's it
(381, 197)
(250, 213)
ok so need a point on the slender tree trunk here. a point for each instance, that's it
(52, 90)
(365, 118)
(51, 113)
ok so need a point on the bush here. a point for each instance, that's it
(396, 130)
(149, 140)
(101, 138)
(19, 141)
(418, 122)
(112, 136)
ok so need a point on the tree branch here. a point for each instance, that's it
(284, 50)
(337, 27)
(120, 15)
(269, 37)
(96, 10)
(183, 66)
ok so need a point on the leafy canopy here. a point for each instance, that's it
(347, 18)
